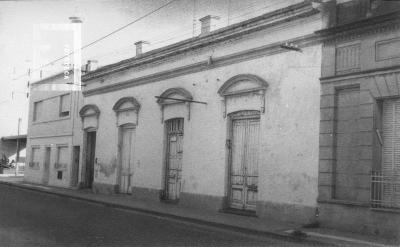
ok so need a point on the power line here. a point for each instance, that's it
(161, 41)
(101, 38)
(262, 8)
(184, 33)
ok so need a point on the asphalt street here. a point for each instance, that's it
(29, 218)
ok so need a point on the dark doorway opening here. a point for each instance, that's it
(46, 168)
(90, 158)
(75, 166)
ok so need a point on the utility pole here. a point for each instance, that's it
(17, 155)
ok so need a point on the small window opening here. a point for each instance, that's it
(59, 174)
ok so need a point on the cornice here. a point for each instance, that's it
(361, 74)
(357, 29)
(49, 78)
(216, 62)
(49, 136)
(265, 21)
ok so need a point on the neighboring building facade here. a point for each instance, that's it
(54, 140)
(225, 120)
(359, 168)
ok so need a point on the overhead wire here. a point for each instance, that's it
(185, 33)
(157, 42)
(101, 38)
(182, 34)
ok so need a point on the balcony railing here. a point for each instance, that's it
(385, 190)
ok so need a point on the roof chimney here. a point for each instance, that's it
(90, 65)
(75, 19)
(139, 47)
(207, 22)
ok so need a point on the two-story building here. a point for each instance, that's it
(359, 167)
(54, 140)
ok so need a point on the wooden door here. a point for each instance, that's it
(75, 165)
(244, 163)
(90, 157)
(46, 170)
(174, 155)
(126, 158)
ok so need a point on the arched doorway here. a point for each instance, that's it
(126, 110)
(244, 102)
(173, 158)
(176, 111)
(90, 116)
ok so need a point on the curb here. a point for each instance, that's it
(254, 232)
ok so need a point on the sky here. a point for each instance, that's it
(21, 20)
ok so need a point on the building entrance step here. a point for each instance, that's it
(239, 212)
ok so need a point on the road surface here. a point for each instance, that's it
(29, 218)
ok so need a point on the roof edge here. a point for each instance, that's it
(203, 40)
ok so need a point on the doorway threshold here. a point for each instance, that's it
(239, 212)
(170, 201)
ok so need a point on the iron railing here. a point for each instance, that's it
(385, 190)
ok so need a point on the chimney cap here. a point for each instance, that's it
(142, 42)
(75, 19)
(207, 17)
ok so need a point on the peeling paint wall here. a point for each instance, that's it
(288, 167)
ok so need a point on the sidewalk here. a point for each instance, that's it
(242, 224)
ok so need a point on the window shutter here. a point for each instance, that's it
(391, 150)
(391, 137)
(62, 159)
(35, 158)
(35, 155)
(37, 111)
(65, 105)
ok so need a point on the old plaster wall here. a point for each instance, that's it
(288, 165)
(52, 130)
(288, 162)
(36, 175)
